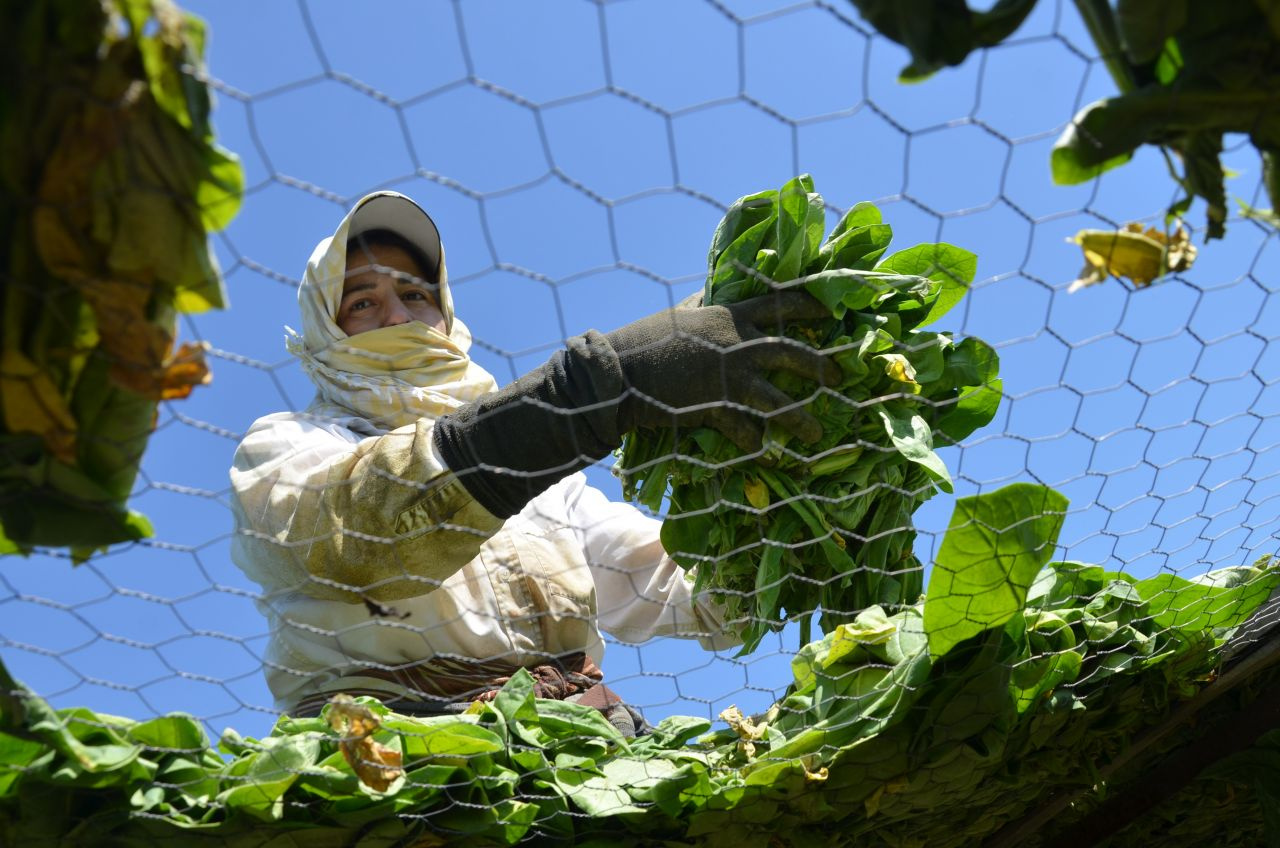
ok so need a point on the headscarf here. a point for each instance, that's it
(391, 376)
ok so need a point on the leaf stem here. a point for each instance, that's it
(1101, 22)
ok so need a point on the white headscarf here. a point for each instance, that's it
(391, 376)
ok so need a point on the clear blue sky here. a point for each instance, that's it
(577, 158)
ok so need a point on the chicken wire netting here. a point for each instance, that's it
(578, 158)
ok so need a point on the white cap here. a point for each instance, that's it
(390, 210)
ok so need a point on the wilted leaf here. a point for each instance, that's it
(183, 371)
(748, 731)
(1140, 255)
(375, 764)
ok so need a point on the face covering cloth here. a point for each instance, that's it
(391, 376)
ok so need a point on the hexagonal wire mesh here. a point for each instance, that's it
(577, 160)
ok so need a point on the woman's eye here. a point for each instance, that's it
(413, 294)
(360, 305)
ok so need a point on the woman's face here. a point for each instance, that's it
(383, 287)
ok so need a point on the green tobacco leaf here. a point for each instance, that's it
(1203, 176)
(453, 741)
(505, 822)
(174, 732)
(942, 33)
(861, 214)
(735, 263)
(686, 537)
(162, 58)
(972, 366)
(565, 720)
(1175, 602)
(742, 215)
(913, 438)
(258, 787)
(952, 266)
(841, 290)
(675, 731)
(1170, 63)
(1097, 140)
(1105, 134)
(799, 226)
(845, 289)
(1065, 584)
(994, 546)
(769, 579)
(8, 546)
(219, 193)
(17, 757)
(856, 249)
(593, 793)
(515, 699)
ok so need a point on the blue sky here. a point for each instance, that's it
(577, 158)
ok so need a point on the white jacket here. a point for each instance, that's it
(371, 554)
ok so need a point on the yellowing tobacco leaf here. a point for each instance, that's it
(31, 403)
(757, 492)
(900, 369)
(1140, 255)
(872, 627)
(377, 765)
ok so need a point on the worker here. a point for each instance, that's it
(420, 534)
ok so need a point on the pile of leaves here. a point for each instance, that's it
(826, 525)
(1014, 680)
(1187, 73)
(110, 181)
(1234, 803)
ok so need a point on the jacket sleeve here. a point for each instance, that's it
(322, 511)
(640, 591)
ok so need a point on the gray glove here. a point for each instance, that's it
(700, 367)
(683, 367)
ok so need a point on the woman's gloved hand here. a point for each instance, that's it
(683, 367)
(693, 367)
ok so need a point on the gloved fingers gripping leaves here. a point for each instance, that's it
(790, 415)
(679, 361)
(775, 311)
(746, 428)
(776, 353)
(743, 429)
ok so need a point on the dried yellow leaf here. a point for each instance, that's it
(377, 765)
(748, 731)
(184, 370)
(1138, 254)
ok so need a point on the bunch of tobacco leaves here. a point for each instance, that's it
(778, 534)
(110, 182)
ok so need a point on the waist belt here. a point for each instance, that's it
(441, 686)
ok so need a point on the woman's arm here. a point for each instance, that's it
(640, 591)
(335, 516)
